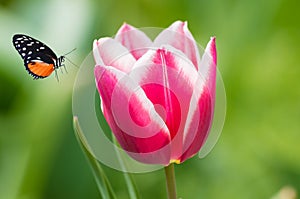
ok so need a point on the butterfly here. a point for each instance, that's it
(39, 60)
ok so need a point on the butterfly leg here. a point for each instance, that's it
(65, 68)
(56, 76)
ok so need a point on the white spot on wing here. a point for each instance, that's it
(23, 48)
(36, 60)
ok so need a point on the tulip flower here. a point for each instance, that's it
(157, 96)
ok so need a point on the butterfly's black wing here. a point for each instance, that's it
(30, 47)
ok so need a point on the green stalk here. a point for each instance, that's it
(170, 180)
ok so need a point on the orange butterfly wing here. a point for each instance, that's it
(40, 69)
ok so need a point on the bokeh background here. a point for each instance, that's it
(258, 56)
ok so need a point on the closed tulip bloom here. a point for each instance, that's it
(157, 96)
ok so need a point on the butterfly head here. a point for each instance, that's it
(60, 61)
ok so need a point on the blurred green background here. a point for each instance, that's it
(258, 52)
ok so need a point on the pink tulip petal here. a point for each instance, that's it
(168, 80)
(202, 104)
(179, 36)
(208, 66)
(132, 118)
(97, 55)
(112, 53)
(198, 125)
(136, 41)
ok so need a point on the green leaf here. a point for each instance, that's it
(102, 181)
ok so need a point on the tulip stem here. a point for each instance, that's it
(171, 182)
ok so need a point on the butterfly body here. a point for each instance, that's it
(39, 60)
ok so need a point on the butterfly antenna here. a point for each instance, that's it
(69, 59)
(69, 52)
(72, 62)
